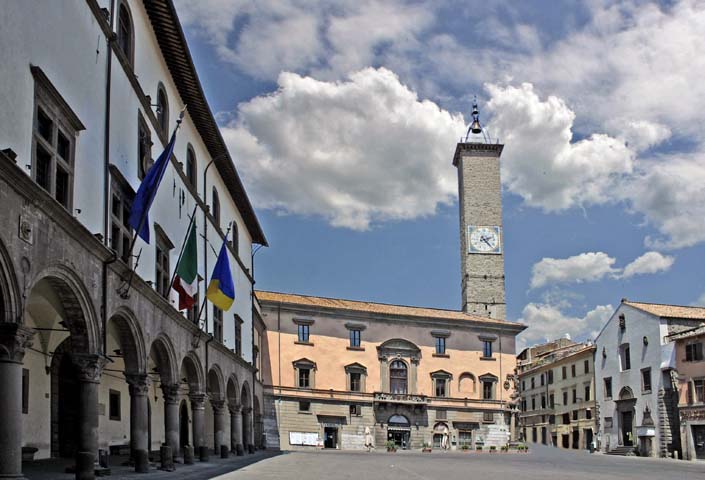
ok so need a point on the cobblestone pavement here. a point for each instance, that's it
(542, 463)
(53, 469)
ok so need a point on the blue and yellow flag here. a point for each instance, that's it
(221, 291)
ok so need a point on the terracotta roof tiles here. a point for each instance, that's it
(669, 311)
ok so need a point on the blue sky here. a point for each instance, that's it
(343, 116)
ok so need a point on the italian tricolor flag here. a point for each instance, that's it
(186, 278)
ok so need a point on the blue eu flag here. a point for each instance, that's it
(139, 219)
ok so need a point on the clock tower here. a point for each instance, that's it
(481, 234)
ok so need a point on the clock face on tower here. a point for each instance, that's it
(484, 239)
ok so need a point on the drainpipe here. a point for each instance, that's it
(106, 181)
(205, 238)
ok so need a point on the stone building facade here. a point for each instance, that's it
(635, 378)
(557, 394)
(85, 363)
(689, 355)
(334, 368)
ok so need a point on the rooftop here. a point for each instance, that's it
(380, 308)
(668, 311)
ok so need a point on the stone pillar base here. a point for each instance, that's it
(188, 455)
(224, 451)
(141, 458)
(85, 466)
(203, 453)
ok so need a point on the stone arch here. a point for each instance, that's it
(467, 383)
(81, 319)
(192, 372)
(131, 340)
(215, 384)
(10, 308)
(232, 390)
(162, 349)
(246, 402)
(626, 393)
(245, 399)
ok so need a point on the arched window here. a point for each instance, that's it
(397, 420)
(215, 207)
(235, 239)
(467, 384)
(162, 109)
(398, 377)
(125, 32)
(191, 175)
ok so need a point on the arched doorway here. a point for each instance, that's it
(234, 406)
(193, 376)
(245, 399)
(626, 408)
(183, 424)
(399, 430)
(161, 365)
(215, 412)
(64, 402)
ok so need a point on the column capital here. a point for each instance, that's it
(198, 400)
(171, 393)
(218, 405)
(89, 365)
(246, 410)
(14, 339)
(138, 382)
(234, 408)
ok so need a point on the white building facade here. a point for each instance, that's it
(90, 92)
(635, 391)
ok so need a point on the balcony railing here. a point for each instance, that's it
(405, 398)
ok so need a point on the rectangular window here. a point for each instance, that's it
(114, 405)
(120, 230)
(533, 403)
(464, 439)
(355, 338)
(694, 352)
(624, 357)
(608, 387)
(303, 333)
(565, 398)
(572, 370)
(162, 275)
(542, 380)
(355, 381)
(54, 134)
(550, 377)
(488, 417)
(645, 379)
(487, 349)
(304, 378)
(218, 324)
(355, 410)
(440, 345)
(565, 372)
(487, 393)
(588, 414)
(587, 393)
(586, 366)
(575, 415)
(441, 384)
(533, 382)
(699, 390)
(543, 401)
(575, 395)
(551, 401)
(566, 419)
(25, 390)
(144, 147)
(523, 385)
(304, 406)
(238, 335)
(192, 313)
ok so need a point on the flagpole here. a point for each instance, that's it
(205, 296)
(127, 285)
(183, 246)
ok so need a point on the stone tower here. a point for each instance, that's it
(481, 234)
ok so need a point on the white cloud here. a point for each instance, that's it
(650, 262)
(354, 152)
(547, 322)
(542, 163)
(586, 267)
(330, 38)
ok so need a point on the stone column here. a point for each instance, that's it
(14, 338)
(218, 424)
(247, 419)
(139, 420)
(198, 412)
(89, 368)
(171, 416)
(235, 428)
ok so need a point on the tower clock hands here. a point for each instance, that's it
(484, 239)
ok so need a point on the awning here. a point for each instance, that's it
(398, 429)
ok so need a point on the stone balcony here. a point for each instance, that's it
(401, 398)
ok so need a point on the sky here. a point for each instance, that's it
(342, 118)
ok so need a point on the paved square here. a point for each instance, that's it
(542, 463)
